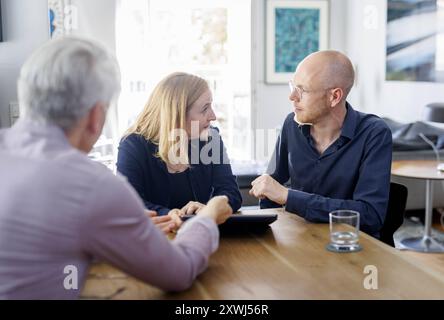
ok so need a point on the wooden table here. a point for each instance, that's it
(426, 170)
(288, 261)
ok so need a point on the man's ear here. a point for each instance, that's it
(336, 96)
(96, 118)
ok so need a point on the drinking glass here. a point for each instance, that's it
(344, 231)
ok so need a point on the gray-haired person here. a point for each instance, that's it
(59, 210)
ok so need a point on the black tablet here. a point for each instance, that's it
(245, 220)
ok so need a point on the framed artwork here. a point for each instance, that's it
(294, 29)
(57, 12)
(415, 41)
(1, 32)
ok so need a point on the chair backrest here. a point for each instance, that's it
(434, 112)
(395, 212)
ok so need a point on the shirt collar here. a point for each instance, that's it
(348, 128)
(305, 129)
(350, 122)
(26, 129)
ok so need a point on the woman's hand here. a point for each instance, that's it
(175, 216)
(168, 223)
(191, 207)
(218, 209)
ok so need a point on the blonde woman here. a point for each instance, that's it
(172, 156)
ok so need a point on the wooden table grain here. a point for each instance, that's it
(417, 169)
(289, 261)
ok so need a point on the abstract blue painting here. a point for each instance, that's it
(296, 36)
(294, 30)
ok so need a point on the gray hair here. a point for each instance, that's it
(62, 80)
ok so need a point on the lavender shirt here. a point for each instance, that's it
(58, 208)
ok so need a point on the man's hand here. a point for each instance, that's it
(266, 187)
(168, 223)
(218, 209)
(191, 207)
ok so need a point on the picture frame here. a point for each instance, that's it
(294, 29)
(59, 18)
(1, 31)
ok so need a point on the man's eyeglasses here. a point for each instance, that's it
(298, 91)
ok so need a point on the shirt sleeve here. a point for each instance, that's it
(370, 197)
(118, 232)
(129, 165)
(278, 166)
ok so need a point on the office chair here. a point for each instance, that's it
(435, 112)
(395, 212)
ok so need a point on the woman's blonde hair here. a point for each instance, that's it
(166, 111)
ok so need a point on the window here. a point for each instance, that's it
(209, 38)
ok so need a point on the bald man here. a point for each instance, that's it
(332, 156)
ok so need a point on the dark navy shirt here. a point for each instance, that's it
(353, 173)
(181, 193)
(148, 174)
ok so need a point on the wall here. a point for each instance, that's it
(25, 27)
(96, 20)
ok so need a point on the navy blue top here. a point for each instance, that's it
(182, 193)
(148, 174)
(353, 173)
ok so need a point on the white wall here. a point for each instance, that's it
(96, 20)
(25, 27)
